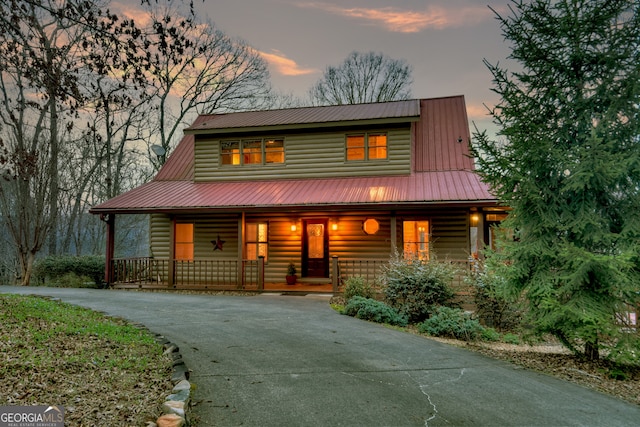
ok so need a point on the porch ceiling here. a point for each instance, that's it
(440, 187)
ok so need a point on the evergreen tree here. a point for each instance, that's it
(567, 161)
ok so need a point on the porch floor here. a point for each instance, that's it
(298, 288)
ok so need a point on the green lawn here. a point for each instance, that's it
(103, 370)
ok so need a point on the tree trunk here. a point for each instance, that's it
(591, 350)
(26, 267)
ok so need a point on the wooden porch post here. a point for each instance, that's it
(172, 252)
(261, 272)
(240, 273)
(394, 233)
(481, 234)
(109, 219)
(335, 273)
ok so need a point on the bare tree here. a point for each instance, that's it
(84, 93)
(197, 69)
(39, 59)
(362, 78)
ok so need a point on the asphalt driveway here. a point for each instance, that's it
(273, 360)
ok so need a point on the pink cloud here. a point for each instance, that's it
(477, 112)
(284, 65)
(407, 21)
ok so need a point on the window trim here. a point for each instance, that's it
(367, 147)
(241, 153)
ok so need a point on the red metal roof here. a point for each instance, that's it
(441, 139)
(419, 188)
(307, 115)
(443, 168)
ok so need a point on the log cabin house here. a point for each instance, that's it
(335, 190)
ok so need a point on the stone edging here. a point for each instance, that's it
(176, 406)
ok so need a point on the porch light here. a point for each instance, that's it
(370, 226)
(294, 227)
(334, 225)
(474, 219)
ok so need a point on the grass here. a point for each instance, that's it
(103, 370)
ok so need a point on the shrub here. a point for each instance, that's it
(414, 287)
(493, 307)
(52, 269)
(72, 280)
(357, 286)
(490, 334)
(452, 323)
(626, 351)
(511, 339)
(373, 310)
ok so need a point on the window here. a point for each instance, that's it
(367, 146)
(252, 152)
(230, 152)
(257, 240)
(355, 147)
(274, 151)
(184, 241)
(377, 146)
(415, 236)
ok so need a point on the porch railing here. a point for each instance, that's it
(143, 271)
(232, 274)
(192, 274)
(370, 270)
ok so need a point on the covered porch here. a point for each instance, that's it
(229, 275)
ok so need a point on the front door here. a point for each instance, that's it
(315, 248)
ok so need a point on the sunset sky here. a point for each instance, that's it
(444, 41)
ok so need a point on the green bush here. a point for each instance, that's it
(490, 334)
(452, 323)
(57, 271)
(511, 339)
(414, 287)
(626, 351)
(357, 286)
(72, 280)
(492, 305)
(373, 310)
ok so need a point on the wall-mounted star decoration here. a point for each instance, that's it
(217, 244)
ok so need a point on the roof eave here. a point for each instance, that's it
(296, 207)
(301, 126)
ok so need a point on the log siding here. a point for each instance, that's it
(318, 155)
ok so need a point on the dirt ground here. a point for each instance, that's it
(553, 359)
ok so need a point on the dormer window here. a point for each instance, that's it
(366, 146)
(259, 151)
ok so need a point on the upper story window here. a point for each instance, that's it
(259, 151)
(367, 146)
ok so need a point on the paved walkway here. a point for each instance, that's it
(273, 360)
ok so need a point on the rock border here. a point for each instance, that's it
(178, 403)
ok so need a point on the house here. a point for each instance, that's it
(335, 190)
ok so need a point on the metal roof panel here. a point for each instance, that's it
(425, 187)
(307, 115)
